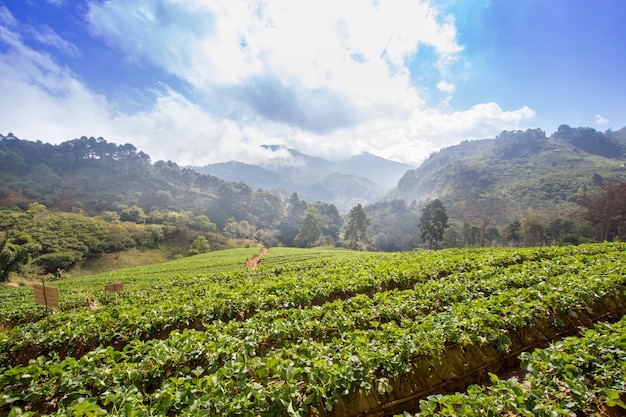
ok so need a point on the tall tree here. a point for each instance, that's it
(607, 210)
(356, 230)
(533, 231)
(433, 222)
(557, 229)
(309, 229)
(512, 232)
(492, 234)
(331, 220)
(199, 245)
(471, 234)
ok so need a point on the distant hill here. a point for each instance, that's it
(518, 173)
(96, 175)
(362, 178)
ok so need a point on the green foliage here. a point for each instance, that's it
(15, 252)
(394, 225)
(204, 224)
(57, 241)
(512, 232)
(606, 210)
(433, 223)
(522, 170)
(356, 230)
(590, 140)
(133, 214)
(533, 231)
(576, 376)
(310, 228)
(51, 263)
(199, 245)
(307, 329)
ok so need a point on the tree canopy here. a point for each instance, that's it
(356, 230)
(433, 223)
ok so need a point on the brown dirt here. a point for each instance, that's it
(253, 262)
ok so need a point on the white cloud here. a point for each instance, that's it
(601, 120)
(317, 54)
(446, 87)
(45, 35)
(43, 100)
(327, 78)
(427, 130)
(6, 18)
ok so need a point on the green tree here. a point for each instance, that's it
(230, 228)
(533, 231)
(245, 229)
(433, 223)
(52, 263)
(356, 230)
(559, 228)
(133, 214)
(267, 209)
(397, 221)
(606, 209)
(471, 234)
(309, 229)
(16, 252)
(204, 224)
(119, 239)
(492, 234)
(199, 245)
(331, 220)
(512, 232)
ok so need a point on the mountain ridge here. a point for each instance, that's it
(517, 172)
(362, 178)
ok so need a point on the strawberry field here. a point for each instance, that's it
(323, 333)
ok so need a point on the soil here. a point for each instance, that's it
(253, 262)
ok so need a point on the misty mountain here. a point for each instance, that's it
(361, 178)
(518, 173)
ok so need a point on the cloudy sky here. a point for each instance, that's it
(200, 81)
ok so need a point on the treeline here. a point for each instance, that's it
(602, 218)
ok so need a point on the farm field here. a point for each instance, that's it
(324, 332)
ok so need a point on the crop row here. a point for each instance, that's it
(277, 362)
(575, 376)
(153, 306)
(147, 284)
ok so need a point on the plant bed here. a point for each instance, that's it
(461, 366)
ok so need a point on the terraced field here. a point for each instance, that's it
(322, 333)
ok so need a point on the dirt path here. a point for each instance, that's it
(253, 262)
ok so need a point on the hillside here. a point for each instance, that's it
(361, 178)
(517, 173)
(94, 175)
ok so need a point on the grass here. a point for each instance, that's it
(111, 261)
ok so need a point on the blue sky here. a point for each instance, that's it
(201, 81)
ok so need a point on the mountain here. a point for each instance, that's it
(518, 173)
(361, 178)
